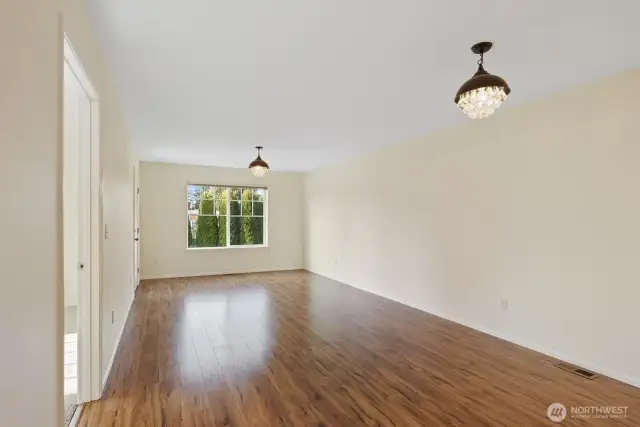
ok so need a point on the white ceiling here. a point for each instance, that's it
(203, 81)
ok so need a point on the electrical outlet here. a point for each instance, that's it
(504, 303)
(113, 317)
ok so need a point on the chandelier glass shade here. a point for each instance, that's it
(258, 167)
(483, 93)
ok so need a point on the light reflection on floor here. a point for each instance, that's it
(239, 320)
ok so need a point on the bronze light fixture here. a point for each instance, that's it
(483, 93)
(258, 167)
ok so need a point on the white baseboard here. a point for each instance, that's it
(116, 346)
(499, 334)
(75, 420)
(218, 273)
(545, 350)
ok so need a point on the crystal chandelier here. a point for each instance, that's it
(483, 93)
(258, 167)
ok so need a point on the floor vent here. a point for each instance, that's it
(577, 370)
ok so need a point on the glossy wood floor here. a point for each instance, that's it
(297, 349)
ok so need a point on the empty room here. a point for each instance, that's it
(320, 213)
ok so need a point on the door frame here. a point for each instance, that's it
(90, 297)
(136, 227)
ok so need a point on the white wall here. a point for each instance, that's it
(538, 204)
(163, 222)
(31, 172)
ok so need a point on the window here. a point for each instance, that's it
(225, 216)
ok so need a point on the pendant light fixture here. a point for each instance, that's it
(258, 167)
(483, 93)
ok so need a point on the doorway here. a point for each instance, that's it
(76, 114)
(81, 235)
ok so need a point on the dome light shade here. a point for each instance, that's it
(483, 93)
(258, 167)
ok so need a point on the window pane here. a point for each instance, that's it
(235, 208)
(258, 194)
(208, 232)
(235, 233)
(218, 192)
(246, 202)
(222, 230)
(247, 231)
(208, 212)
(191, 231)
(257, 230)
(207, 193)
(236, 193)
(258, 208)
(193, 195)
(221, 207)
(206, 207)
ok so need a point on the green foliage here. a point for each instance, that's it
(246, 224)
(207, 229)
(222, 218)
(235, 232)
(194, 193)
(219, 192)
(247, 229)
(257, 230)
(190, 234)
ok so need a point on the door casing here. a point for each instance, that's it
(136, 227)
(89, 295)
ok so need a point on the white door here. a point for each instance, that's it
(76, 227)
(136, 228)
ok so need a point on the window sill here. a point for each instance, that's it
(229, 247)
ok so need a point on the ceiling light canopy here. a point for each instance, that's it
(258, 167)
(483, 93)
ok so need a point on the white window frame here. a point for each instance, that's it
(265, 216)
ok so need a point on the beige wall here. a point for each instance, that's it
(30, 172)
(31, 243)
(538, 204)
(163, 220)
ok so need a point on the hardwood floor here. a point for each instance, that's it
(297, 349)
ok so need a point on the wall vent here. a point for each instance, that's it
(584, 373)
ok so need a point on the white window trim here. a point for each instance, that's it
(264, 216)
(219, 248)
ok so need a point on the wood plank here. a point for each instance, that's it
(298, 349)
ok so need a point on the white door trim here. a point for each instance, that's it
(89, 319)
(136, 227)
